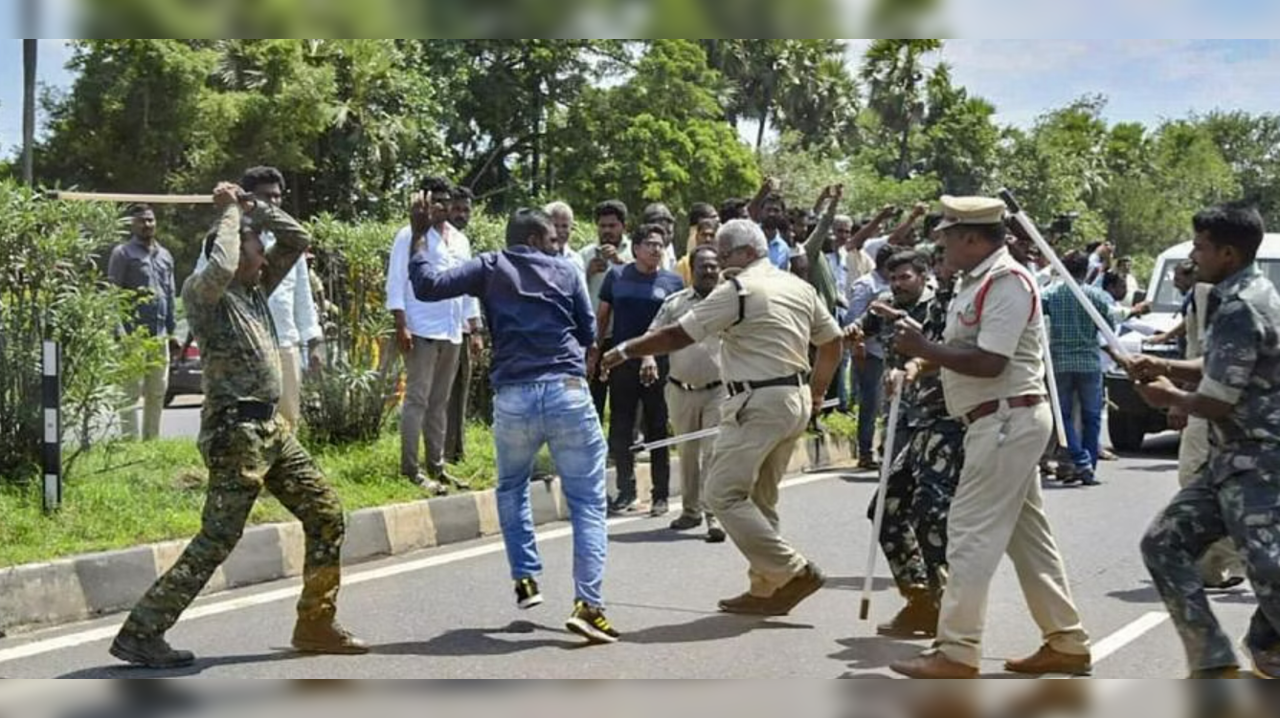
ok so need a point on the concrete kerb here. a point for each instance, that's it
(80, 587)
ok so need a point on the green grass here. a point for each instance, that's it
(126, 494)
(842, 425)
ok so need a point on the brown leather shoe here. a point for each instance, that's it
(747, 604)
(933, 665)
(326, 636)
(801, 586)
(1046, 660)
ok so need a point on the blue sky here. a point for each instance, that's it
(1144, 80)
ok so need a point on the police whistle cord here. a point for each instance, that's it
(1047, 252)
(702, 434)
(886, 467)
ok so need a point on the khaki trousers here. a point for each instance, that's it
(151, 388)
(694, 411)
(758, 431)
(431, 367)
(1222, 560)
(999, 509)
(291, 388)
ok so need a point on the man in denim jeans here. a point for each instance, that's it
(541, 324)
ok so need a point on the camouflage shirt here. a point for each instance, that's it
(923, 402)
(1242, 368)
(231, 321)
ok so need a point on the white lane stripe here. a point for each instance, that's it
(349, 578)
(1130, 633)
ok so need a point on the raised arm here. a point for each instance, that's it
(292, 240)
(869, 230)
(222, 255)
(813, 245)
(907, 225)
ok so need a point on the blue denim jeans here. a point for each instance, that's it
(561, 415)
(1084, 445)
(868, 378)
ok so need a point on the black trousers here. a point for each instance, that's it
(626, 396)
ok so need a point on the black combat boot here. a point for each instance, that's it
(153, 652)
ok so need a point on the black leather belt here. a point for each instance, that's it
(690, 387)
(737, 387)
(988, 408)
(255, 411)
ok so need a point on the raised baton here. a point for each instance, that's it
(130, 197)
(886, 467)
(1047, 252)
(1051, 382)
(695, 435)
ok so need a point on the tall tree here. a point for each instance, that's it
(893, 74)
(960, 136)
(1251, 145)
(660, 136)
(800, 86)
(502, 97)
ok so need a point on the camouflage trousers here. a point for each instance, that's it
(243, 458)
(922, 482)
(1245, 506)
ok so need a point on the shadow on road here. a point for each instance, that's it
(1165, 468)
(123, 670)
(483, 642)
(1146, 594)
(870, 656)
(710, 628)
(659, 535)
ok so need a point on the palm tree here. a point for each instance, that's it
(893, 77)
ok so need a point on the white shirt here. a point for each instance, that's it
(669, 258)
(293, 309)
(872, 246)
(441, 321)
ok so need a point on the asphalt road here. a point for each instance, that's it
(449, 613)
(182, 419)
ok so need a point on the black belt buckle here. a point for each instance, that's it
(255, 411)
(691, 387)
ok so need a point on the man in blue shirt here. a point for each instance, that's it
(541, 325)
(631, 296)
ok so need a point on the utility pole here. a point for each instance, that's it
(28, 102)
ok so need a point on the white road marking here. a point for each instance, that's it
(1130, 633)
(349, 578)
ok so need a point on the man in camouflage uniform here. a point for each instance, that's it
(1237, 493)
(930, 452)
(243, 440)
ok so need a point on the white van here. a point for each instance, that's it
(1129, 418)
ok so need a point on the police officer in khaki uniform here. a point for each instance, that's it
(694, 392)
(766, 319)
(993, 381)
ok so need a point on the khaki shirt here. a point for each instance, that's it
(782, 315)
(1009, 325)
(697, 364)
